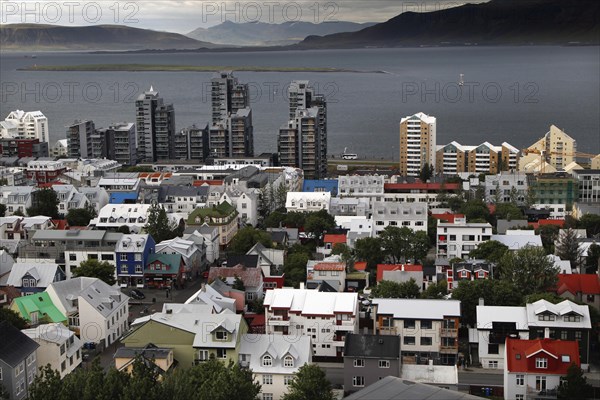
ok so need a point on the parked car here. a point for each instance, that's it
(137, 294)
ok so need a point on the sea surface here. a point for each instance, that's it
(510, 94)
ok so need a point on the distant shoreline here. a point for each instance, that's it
(180, 68)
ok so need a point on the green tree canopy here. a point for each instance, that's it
(394, 290)
(96, 269)
(528, 270)
(490, 250)
(310, 383)
(44, 202)
(575, 386)
(418, 246)
(369, 249)
(475, 210)
(81, 216)
(246, 238)
(12, 318)
(2, 210)
(396, 242)
(426, 172)
(436, 290)
(567, 247)
(318, 223)
(593, 259)
(159, 226)
(548, 234)
(295, 269)
(591, 223)
(508, 211)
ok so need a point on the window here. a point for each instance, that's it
(572, 318)
(541, 363)
(426, 341)
(520, 380)
(409, 340)
(359, 362)
(287, 379)
(138, 257)
(124, 269)
(221, 353)
(138, 268)
(546, 317)
(288, 361)
(63, 365)
(493, 348)
(267, 379)
(30, 359)
(384, 364)
(72, 257)
(123, 257)
(358, 381)
(203, 355)
(62, 349)
(563, 335)
(267, 396)
(425, 324)
(578, 335)
(493, 364)
(519, 397)
(540, 383)
(267, 361)
(409, 324)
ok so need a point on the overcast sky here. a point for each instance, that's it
(186, 15)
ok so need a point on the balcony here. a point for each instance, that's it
(279, 320)
(448, 332)
(387, 330)
(541, 394)
(448, 349)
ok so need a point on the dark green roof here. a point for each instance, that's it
(172, 260)
(222, 210)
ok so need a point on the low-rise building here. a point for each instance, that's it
(251, 278)
(458, 239)
(16, 198)
(58, 346)
(307, 201)
(369, 358)
(582, 288)
(30, 278)
(223, 216)
(325, 317)
(409, 215)
(164, 271)
(44, 171)
(159, 358)
(18, 361)
(330, 270)
(428, 328)
(131, 255)
(506, 187)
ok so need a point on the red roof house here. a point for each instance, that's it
(381, 268)
(579, 287)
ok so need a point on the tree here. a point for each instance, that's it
(238, 284)
(593, 258)
(530, 197)
(12, 318)
(575, 386)
(81, 216)
(295, 269)
(514, 195)
(528, 269)
(2, 210)
(426, 172)
(310, 383)
(281, 195)
(246, 238)
(475, 210)
(396, 242)
(369, 250)
(343, 251)
(158, 225)
(497, 194)
(4, 394)
(124, 229)
(548, 234)
(591, 223)
(46, 385)
(394, 290)
(274, 219)
(567, 247)
(548, 296)
(508, 211)
(143, 383)
(96, 269)
(490, 250)
(436, 290)
(319, 222)
(45, 202)
(418, 246)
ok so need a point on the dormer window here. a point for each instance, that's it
(288, 361)
(221, 335)
(546, 317)
(267, 361)
(572, 318)
(541, 363)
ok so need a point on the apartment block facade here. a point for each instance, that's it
(417, 143)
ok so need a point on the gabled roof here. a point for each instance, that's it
(330, 266)
(278, 347)
(578, 283)
(310, 302)
(53, 333)
(252, 277)
(418, 308)
(40, 303)
(98, 294)
(393, 388)
(15, 346)
(561, 309)
(381, 268)
(173, 261)
(372, 346)
(43, 273)
(564, 353)
(334, 238)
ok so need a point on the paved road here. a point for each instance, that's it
(476, 378)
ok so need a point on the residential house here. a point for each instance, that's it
(97, 196)
(31, 278)
(428, 328)
(16, 198)
(131, 254)
(251, 278)
(38, 309)
(193, 332)
(468, 271)
(458, 239)
(161, 359)
(113, 216)
(96, 311)
(331, 270)
(223, 216)
(245, 202)
(357, 228)
(506, 186)
(534, 368)
(361, 186)
(410, 215)
(193, 254)
(215, 297)
(400, 273)
(582, 288)
(164, 271)
(206, 236)
(369, 358)
(18, 362)
(394, 388)
(418, 192)
(307, 201)
(58, 346)
(329, 241)
(274, 361)
(350, 206)
(518, 239)
(44, 171)
(270, 261)
(69, 198)
(22, 228)
(325, 317)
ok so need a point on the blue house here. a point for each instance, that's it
(321, 185)
(30, 278)
(132, 253)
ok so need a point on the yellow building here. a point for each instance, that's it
(417, 143)
(558, 147)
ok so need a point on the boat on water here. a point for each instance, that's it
(349, 156)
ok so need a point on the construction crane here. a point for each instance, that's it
(545, 155)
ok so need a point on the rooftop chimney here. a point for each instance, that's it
(481, 301)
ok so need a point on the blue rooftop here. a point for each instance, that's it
(321, 185)
(123, 197)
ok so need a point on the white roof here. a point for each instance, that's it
(207, 295)
(560, 309)
(418, 308)
(516, 242)
(309, 302)
(422, 116)
(181, 246)
(306, 196)
(104, 298)
(564, 266)
(278, 347)
(131, 243)
(486, 315)
(118, 182)
(54, 333)
(42, 272)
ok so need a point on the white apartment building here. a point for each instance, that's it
(59, 347)
(428, 328)
(307, 201)
(325, 317)
(97, 311)
(135, 216)
(330, 270)
(97, 196)
(502, 185)
(69, 198)
(458, 239)
(30, 125)
(16, 198)
(274, 361)
(360, 185)
(60, 148)
(417, 143)
(409, 215)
